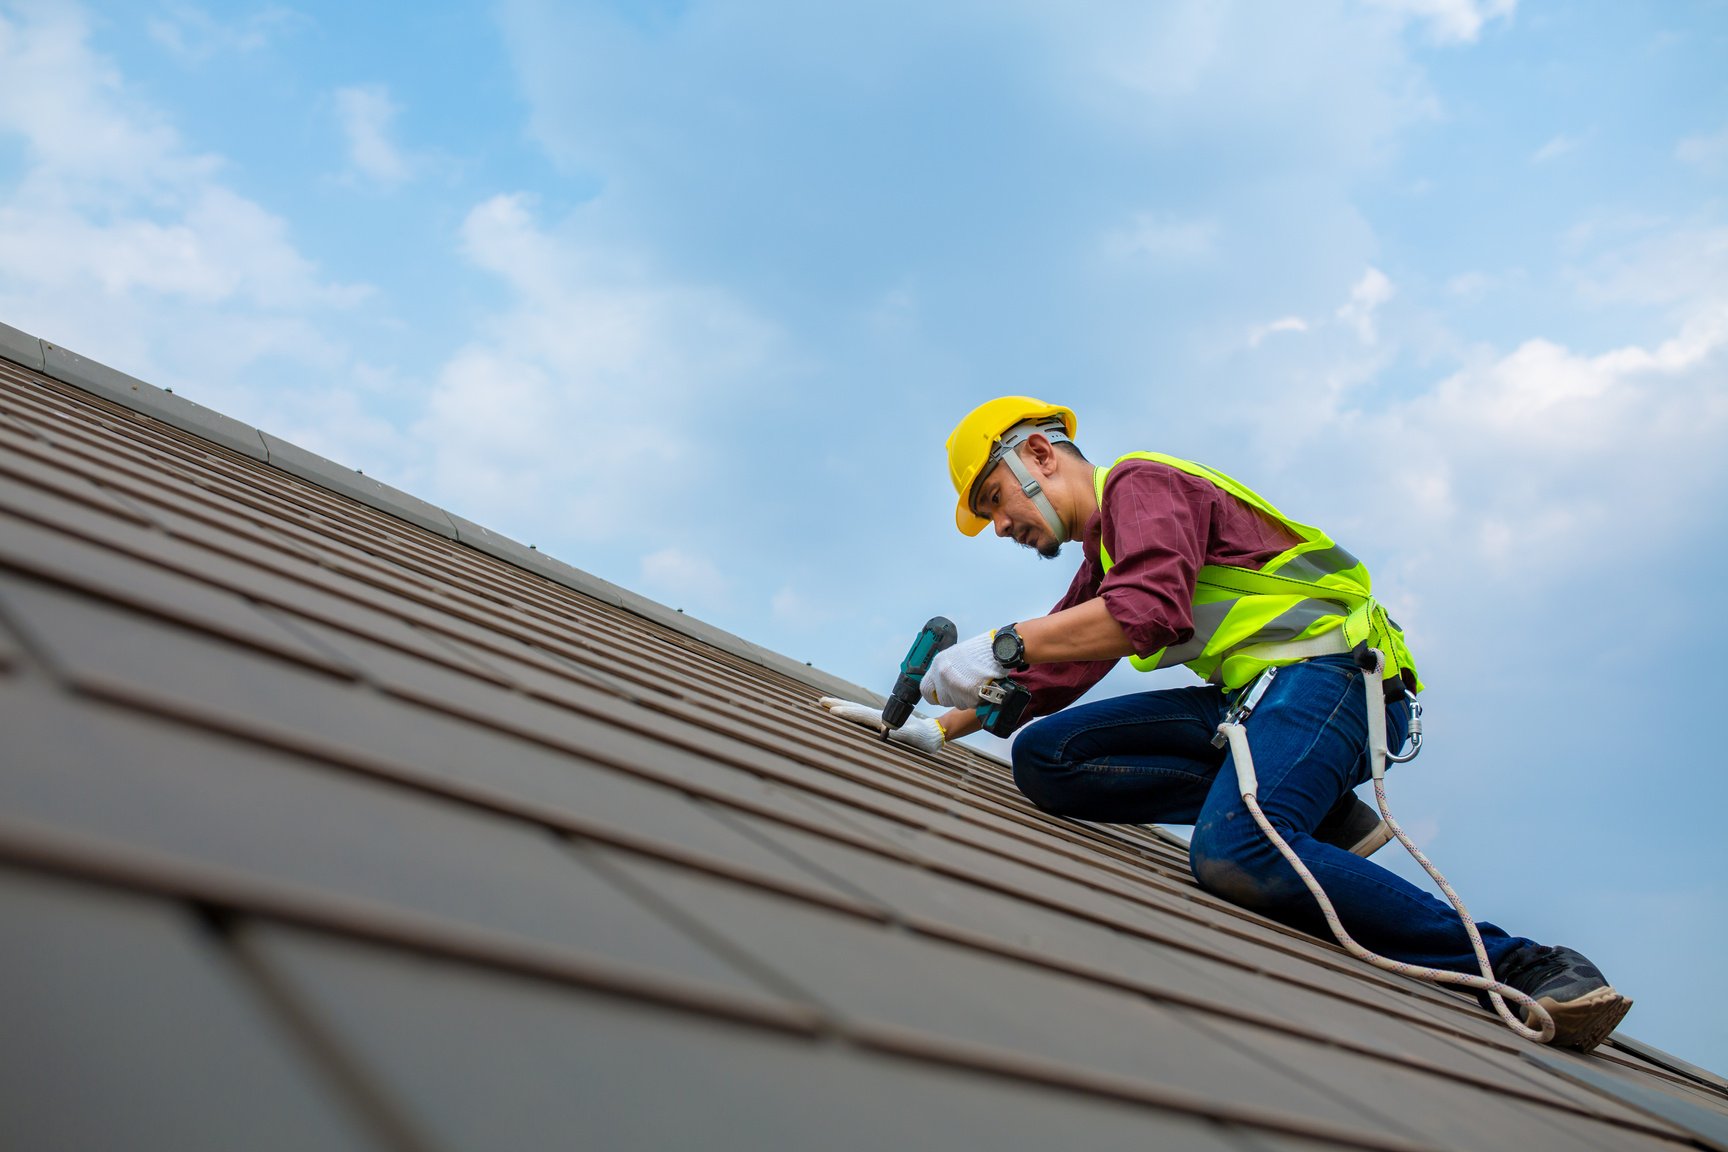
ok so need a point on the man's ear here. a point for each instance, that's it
(1042, 453)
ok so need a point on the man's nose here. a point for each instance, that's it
(1000, 520)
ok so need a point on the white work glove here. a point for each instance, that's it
(958, 672)
(920, 732)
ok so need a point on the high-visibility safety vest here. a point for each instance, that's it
(1247, 619)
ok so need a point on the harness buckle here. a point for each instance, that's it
(1246, 702)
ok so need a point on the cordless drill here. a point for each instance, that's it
(938, 633)
(1001, 702)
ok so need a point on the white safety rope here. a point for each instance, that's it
(1237, 736)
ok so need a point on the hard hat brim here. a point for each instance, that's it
(964, 520)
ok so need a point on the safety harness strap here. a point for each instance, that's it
(1236, 734)
(1035, 492)
(1331, 643)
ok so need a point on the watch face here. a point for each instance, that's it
(1007, 647)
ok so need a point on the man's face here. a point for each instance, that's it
(1000, 501)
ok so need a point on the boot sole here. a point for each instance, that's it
(1377, 838)
(1587, 1021)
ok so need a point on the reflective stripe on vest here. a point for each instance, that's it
(1310, 589)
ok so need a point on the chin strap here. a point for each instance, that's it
(1236, 735)
(1035, 492)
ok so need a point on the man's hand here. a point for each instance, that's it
(958, 672)
(920, 732)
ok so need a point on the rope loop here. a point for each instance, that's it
(1498, 993)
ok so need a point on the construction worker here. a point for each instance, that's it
(1183, 565)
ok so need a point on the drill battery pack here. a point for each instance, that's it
(1001, 704)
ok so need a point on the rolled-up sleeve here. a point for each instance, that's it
(1163, 526)
(1055, 686)
(1156, 534)
(1159, 524)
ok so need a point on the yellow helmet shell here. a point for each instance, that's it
(970, 444)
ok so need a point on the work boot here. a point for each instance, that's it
(1353, 826)
(1584, 1005)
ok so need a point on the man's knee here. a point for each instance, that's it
(1037, 765)
(1238, 867)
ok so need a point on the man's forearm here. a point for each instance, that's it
(1084, 632)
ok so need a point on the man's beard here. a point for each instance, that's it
(1050, 549)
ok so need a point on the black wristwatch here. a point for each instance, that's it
(1009, 649)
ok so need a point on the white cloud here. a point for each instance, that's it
(1497, 503)
(1162, 239)
(1135, 136)
(86, 137)
(1708, 152)
(1516, 475)
(114, 216)
(193, 35)
(1545, 394)
(1283, 324)
(797, 610)
(1450, 21)
(219, 247)
(1366, 298)
(1555, 148)
(367, 115)
(685, 579)
(598, 407)
(1305, 98)
(1470, 286)
(1681, 266)
(1160, 50)
(1495, 489)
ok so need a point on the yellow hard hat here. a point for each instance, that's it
(975, 441)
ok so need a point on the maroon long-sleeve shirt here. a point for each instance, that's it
(1160, 526)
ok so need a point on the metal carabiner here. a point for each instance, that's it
(1415, 738)
(1246, 702)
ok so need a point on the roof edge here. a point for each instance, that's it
(130, 392)
(20, 347)
(159, 404)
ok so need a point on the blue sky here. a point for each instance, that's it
(689, 294)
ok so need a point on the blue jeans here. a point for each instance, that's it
(1149, 758)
